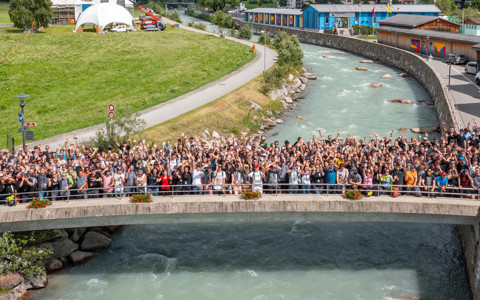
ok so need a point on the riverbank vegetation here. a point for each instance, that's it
(231, 114)
(72, 78)
(290, 57)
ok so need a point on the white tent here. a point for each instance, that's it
(103, 14)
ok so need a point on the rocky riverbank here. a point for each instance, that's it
(290, 93)
(69, 247)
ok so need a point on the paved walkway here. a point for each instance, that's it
(463, 88)
(175, 107)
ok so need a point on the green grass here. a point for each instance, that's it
(4, 18)
(71, 78)
(254, 4)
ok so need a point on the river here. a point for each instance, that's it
(290, 260)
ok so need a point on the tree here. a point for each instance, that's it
(218, 18)
(476, 4)
(446, 6)
(288, 48)
(396, 2)
(24, 12)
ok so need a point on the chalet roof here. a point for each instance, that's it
(449, 36)
(343, 8)
(410, 21)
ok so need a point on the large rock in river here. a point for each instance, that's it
(361, 69)
(62, 247)
(404, 75)
(376, 85)
(386, 76)
(403, 101)
(301, 117)
(366, 61)
(427, 129)
(79, 257)
(95, 241)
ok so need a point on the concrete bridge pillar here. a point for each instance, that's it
(469, 236)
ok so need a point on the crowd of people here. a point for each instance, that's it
(444, 165)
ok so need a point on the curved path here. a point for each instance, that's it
(175, 107)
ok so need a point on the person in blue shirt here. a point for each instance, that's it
(441, 183)
(331, 177)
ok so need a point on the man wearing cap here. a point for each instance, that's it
(355, 180)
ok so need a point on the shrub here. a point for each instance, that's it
(37, 203)
(200, 26)
(261, 40)
(18, 256)
(272, 79)
(141, 198)
(245, 32)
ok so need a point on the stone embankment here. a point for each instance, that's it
(290, 93)
(69, 247)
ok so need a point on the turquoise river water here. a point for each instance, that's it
(290, 260)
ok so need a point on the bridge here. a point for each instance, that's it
(215, 208)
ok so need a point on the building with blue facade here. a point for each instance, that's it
(325, 16)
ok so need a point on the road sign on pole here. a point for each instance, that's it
(111, 107)
(30, 124)
(111, 115)
(22, 129)
(20, 117)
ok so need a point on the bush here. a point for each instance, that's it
(245, 32)
(261, 40)
(272, 79)
(200, 26)
(18, 256)
(113, 130)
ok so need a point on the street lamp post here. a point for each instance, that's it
(22, 97)
(449, 73)
(264, 50)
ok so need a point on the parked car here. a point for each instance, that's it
(471, 68)
(456, 59)
(121, 28)
(477, 78)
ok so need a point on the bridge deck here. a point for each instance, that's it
(206, 208)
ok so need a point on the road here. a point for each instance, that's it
(175, 107)
(463, 88)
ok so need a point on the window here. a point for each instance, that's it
(327, 19)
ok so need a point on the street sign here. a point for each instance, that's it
(29, 135)
(21, 129)
(111, 115)
(32, 124)
(111, 107)
(20, 117)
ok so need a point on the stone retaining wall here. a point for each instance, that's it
(398, 58)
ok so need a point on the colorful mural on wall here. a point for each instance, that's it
(272, 19)
(426, 47)
(439, 49)
(415, 45)
(291, 21)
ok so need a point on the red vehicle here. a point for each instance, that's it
(150, 21)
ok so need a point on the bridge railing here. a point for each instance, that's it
(267, 188)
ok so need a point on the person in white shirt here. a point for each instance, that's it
(257, 179)
(219, 181)
(119, 183)
(197, 176)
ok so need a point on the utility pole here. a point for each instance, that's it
(264, 51)
(22, 97)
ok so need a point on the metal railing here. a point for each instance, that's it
(267, 188)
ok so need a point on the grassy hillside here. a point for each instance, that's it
(72, 78)
(4, 18)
